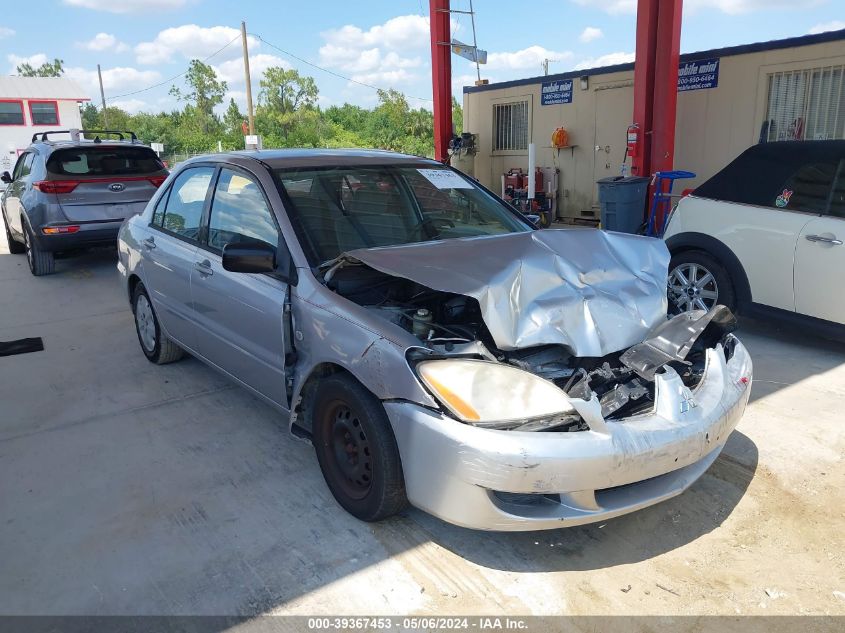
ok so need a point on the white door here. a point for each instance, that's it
(820, 262)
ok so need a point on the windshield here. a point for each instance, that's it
(339, 209)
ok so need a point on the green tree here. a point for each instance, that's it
(54, 68)
(457, 117)
(285, 91)
(205, 91)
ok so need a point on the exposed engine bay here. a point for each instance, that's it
(451, 325)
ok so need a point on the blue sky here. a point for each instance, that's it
(380, 42)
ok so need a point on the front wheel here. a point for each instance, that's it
(697, 281)
(357, 450)
(156, 345)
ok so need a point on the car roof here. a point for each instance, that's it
(51, 146)
(306, 157)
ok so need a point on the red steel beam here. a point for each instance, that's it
(666, 85)
(644, 65)
(441, 76)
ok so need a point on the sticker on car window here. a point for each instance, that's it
(445, 179)
(783, 199)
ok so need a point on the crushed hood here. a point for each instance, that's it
(592, 291)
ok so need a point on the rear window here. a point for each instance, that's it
(104, 161)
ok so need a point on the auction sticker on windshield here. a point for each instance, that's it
(445, 179)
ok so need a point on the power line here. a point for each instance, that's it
(331, 72)
(182, 74)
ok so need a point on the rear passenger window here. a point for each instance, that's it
(240, 213)
(808, 189)
(183, 212)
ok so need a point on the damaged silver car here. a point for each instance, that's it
(434, 347)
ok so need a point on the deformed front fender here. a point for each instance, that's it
(330, 331)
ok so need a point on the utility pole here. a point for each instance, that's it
(545, 65)
(474, 43)
(249, 111)
(103, 98)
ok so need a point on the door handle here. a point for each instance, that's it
(824, 240)
(204, 268)
(150, 243)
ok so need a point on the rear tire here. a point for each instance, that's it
(156, 345)
(357, 450)
(40, 262)
(15, 247)
(711, 279)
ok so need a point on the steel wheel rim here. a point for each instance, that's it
(349, 451)
(693, 287)
(145, 322)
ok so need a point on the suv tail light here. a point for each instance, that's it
(157, 180)
(56, 186)
(55, 230)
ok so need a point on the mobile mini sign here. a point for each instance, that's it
(698, 75)
(555, 92)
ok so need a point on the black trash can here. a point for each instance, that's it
(622, 203)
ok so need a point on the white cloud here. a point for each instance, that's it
(527, 58)
(386, 77)
(731, 7)
(611, 59)
(833, 25)
(590, 33)
(189, 41)
(128, 6)
(103, 42)
(5, 31)
(132, 106)
(114, 79)
(33, 60)
(232, 71)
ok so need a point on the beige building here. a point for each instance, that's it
(728, 99)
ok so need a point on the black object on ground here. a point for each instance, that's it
(21, 346)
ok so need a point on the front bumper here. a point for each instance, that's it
(506, 480)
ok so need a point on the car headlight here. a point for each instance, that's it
(496, 396)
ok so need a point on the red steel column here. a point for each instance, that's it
(644, 63)
(666, 85)
(441, 76)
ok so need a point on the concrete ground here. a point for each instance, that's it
(127, 488)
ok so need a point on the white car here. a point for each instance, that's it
(765, 235)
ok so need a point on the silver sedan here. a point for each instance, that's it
(435, 347)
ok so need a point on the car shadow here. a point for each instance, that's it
(624, 540)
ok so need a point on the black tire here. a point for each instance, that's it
(158, 348)
(357, 450)
(15, 247)
(725, 291)
(545, 219)
(40, 262)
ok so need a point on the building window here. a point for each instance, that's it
(11, 113)
(44, 112)
(510, 126)
(806, 105)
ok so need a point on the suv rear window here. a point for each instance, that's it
(104, 161)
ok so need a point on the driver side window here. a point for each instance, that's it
(239, 212)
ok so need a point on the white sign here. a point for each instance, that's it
(445, 179)
(253, 140)
(158, 148)
(469, 52)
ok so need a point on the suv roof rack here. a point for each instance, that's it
(75, 135)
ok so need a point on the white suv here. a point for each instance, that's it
(765, 235)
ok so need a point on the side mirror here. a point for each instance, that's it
(249, 257)
(6, 177)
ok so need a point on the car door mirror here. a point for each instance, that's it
(6, 177)
(249, 257)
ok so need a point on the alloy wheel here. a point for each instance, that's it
(692, 287)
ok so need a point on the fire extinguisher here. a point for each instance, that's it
(633, 145)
